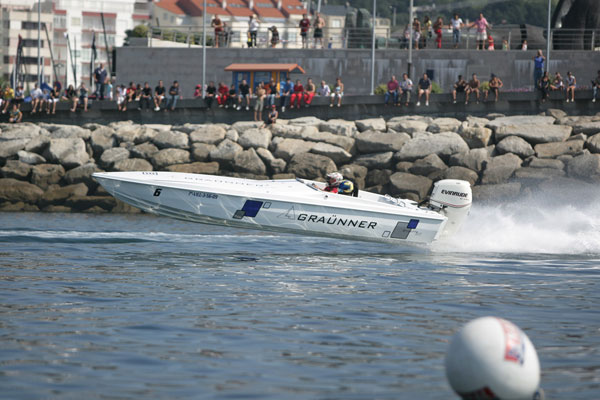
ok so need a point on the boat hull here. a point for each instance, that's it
(332, 218)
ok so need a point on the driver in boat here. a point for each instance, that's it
(337, 184)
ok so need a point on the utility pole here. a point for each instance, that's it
(39, 60)
(548, 38)
(204, 50)
(410, 39)
(373, 48)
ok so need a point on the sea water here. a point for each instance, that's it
(136, 306)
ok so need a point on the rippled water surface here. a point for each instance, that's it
(113, 306)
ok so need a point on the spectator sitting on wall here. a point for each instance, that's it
(245, 94)
(338, 92)
(211, 92)
(121, 98)
(298, 94)
(459, 87)
(173, 96)
(108, 89)
(271, 92)
(138, 92)
(232, 97)
(37, 98)
(544, 86)
(15, 114)
(198, 92)
(404, 90)
(424, 86)
(309, 92)
(595, 86)
(571, 85)
(557, 82)
(217, 24)
(71, 95)
(474, 86)
(19, 96)
(222, 96)
(83, 96)
(495, 85)
(392, 91)
(146, 98)
(159, 95)
(2, 88)
(324, 90)
(274, 36)
(53, 98)
(287, 88)
(271, 117)
(260, 102)
(130, 93)
(9, 95)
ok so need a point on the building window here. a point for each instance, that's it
(32, 43)
(336, 23)
(265, 5)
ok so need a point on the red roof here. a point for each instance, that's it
(171, 6)
(239, 8)
(292, 7)
(267, 9)
(265, 67)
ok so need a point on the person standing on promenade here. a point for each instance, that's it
(424, 88)
(260, 102)
(253, 24)
(595, 86)
(405, 88)
(473, 87)
(437, 29)
(338, 92)
(392, 90)
(457, 24)
(416, 33)
(481, 35)
(304, 27)
(495, 85)
(426, 30)
(571, 85)
(318, 26)
(538, 69)
(100, 76)
(217, 25)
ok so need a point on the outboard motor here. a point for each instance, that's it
(451, 198)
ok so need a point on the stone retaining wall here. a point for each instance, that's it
(48, 167)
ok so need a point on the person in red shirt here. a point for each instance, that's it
(297, 95)
(304, 26)
(223, 94)
(309, 93)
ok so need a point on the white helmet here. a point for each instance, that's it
(334, 178)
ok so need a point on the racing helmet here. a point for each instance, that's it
(334, 178)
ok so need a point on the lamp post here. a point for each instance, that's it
(204, 50)
(410, 39)
(548, 38)
(39, 76)
(373, 48)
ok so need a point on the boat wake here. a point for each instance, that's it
(557, 221)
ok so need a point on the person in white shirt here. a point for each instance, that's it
(37, 99)
(253, 30)
(324, 90)
(456, 23)
(405, 88)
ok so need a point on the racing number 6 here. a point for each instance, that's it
(157, 192)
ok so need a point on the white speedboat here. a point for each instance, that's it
(293, 206)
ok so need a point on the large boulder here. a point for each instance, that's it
(24, 130)
(534, 133)
(443, 125)
(30, 158)
(16, 169)
(310, 166)
(585, 167)
(410, 126)
(339, 127)
(211, 134)
(44, 175)
(143, 150)
(171, 139)
(111, 156)
(535, 162)
(69, 132)
(428, 165)
(475, 136)
(82, 174)
(9, 148)
(306, 121)
(402, 184)
(132, 164)
(553, 150)
(520, 120)
(461, 173)
(337, 154)
(131, 133)
(37, 144)
(14, 191)
(376, 160)
(277, 165)
(500, 169)
(474, 159)
(225, 151)
(255, 138)
(201, 151)
(57, 196)
(85, 203)
(589, 128)
(248, 161)
(515, 145)
(210, 168)
(295, 131)
(593, 143)
(443, 144)
(169, 157)
(288, 148)
(102, 139)
(537, 174)
(379, 142)
(371, 124)
(69, 152)
(242, 126)
(378, 177)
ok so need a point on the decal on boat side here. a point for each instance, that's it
(334, 220)
(203, 195)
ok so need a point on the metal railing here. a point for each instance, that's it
(505, 37)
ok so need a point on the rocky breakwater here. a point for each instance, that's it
(48, 167)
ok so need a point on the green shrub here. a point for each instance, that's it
(381, 89)
(485, 85)
(435, 88)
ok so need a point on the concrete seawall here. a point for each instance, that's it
(48, 167)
